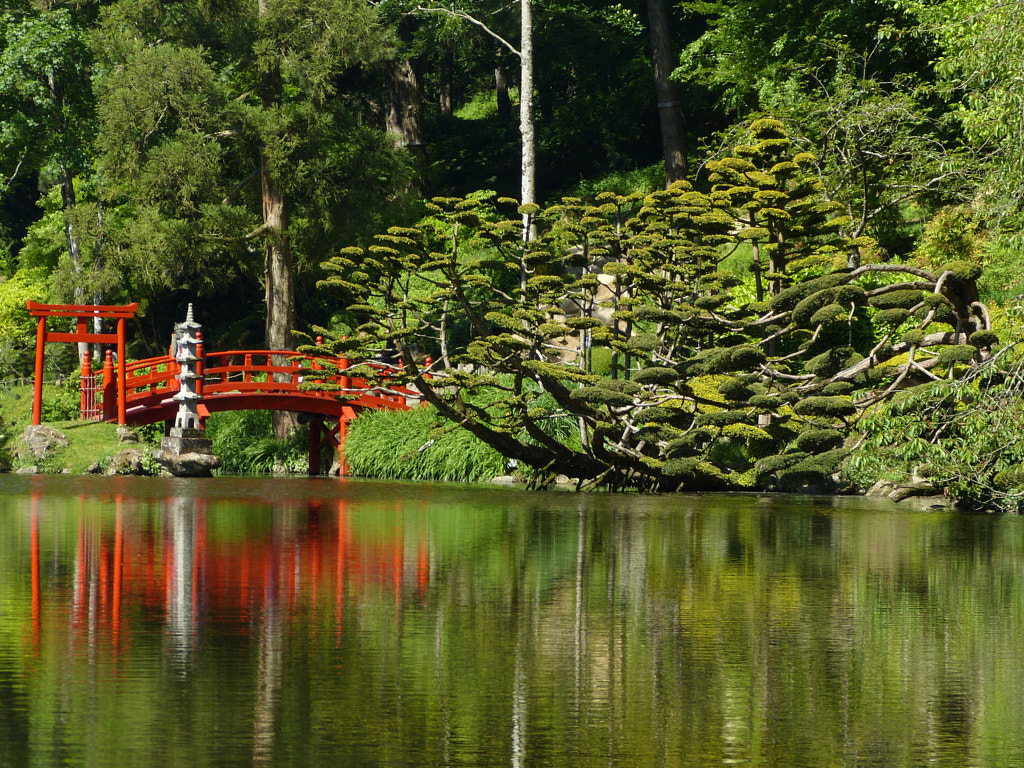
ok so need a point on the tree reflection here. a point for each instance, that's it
(442, 627)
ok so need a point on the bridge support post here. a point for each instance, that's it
(342, 430)
(320, 436)
(316, 427)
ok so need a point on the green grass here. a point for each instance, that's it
(642, 180)
(88, 442)
(243, 439)
(246, 444)
(412, 445)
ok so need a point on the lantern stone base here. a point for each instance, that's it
(187, 452)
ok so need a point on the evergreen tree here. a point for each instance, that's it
(47, 112)
(227, 133)
(777, 203)
(622, 325)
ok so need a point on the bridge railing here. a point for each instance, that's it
(152, 382)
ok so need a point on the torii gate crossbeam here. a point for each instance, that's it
(82, 314)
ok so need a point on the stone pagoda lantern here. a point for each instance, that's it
(186, 451)
(186, 342)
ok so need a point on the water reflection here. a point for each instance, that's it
(180, 562)
(226, 622)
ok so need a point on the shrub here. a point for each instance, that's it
(828, 407)
(657, 375)
(819, 440)
(418, 445)
(246, 444)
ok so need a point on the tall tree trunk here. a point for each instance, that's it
(446, 98)
(526, 127)
(280, 296)
(66, 179)
(279, 290)
(501, 94)
(405, 116)
(277, 275)
(97, 260)
(670, 114)
(392, 114)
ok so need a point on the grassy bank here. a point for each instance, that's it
(243, 439)
(88, 442)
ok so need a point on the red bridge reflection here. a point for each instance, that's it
(168, 568)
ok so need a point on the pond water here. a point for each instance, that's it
(223, 622)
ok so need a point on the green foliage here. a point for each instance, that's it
(205, 115)
(702, 383)
(965, 435)
(246, 444)
(952, 232)
(818, 440)
(47, 105)
(980, 46)
(825, 406)
(1003, 256)
(960, 353)
(17, 328)
(418, 445)
(642, 180)
(777, 206)
(64, 402)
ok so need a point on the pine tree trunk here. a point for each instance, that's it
(670, 114)
(405, 117)
(279, 296)
(277, 266)
(393, 115)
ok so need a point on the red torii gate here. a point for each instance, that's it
(82, 314)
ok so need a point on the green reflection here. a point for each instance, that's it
(291, 623)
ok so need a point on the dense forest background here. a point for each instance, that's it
(165, 152)
(769, 218)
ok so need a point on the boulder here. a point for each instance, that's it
(187, 464)
(128, 462)
(906, 491)
(41, 440)
(880, 488)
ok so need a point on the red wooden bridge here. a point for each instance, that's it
(142, 392)
(247, 380)
(273, 380)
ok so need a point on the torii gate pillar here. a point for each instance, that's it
(82, 314)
